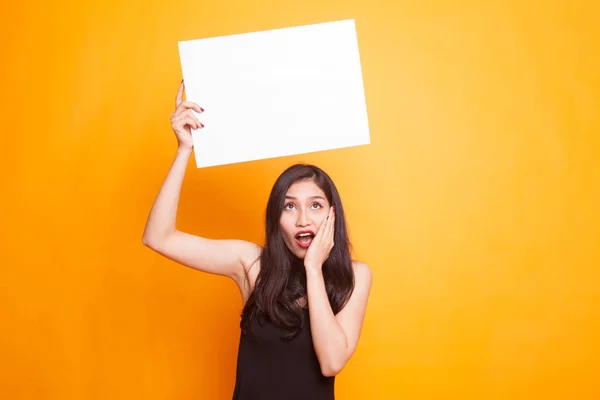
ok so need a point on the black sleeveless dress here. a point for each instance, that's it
(272, 368)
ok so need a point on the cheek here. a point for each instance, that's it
(286, 225)
(321, 220)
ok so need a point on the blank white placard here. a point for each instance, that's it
(276, 93)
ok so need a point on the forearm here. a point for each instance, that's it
(163, 215)
(329, 339)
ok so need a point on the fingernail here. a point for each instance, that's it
(201, 125)
(201, 109)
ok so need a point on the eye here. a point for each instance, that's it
(288, 206)
(318, 205)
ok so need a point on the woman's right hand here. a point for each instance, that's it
(183, 119)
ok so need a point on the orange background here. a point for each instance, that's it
(476, 205)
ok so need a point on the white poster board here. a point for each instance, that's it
(276, 93)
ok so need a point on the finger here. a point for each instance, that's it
(190, 121)
(186, 105)
(191, 114)
(319, 233)
(180, 122)
(190, 105)
(324, 229)
(179, 115)
(330, 222)
(179, 97)
(332, 227)
(181, 119)
(197, 123)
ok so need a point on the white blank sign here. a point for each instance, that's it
(276, 93)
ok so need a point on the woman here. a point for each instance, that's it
(304, 298)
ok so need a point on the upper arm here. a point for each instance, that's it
(351, 317)
(220, 257)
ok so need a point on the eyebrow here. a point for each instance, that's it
(311, 197)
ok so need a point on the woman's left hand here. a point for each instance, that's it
(319, 249)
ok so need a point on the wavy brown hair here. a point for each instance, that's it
(281, 281)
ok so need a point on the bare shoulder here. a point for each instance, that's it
(362, 273)
(351, 316)
(251, 254)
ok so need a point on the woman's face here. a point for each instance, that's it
(305, 208)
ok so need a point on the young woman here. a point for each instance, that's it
(304, 297)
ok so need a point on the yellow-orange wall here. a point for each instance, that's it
(476, 205)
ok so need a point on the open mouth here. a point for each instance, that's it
(304, 239)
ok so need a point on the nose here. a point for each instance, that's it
(303, 218)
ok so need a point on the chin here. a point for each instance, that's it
(300, 253)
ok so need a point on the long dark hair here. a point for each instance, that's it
(281, 281)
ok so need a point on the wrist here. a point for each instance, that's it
(184, 149)
(313, 268)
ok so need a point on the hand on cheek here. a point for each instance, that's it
(321, 246)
